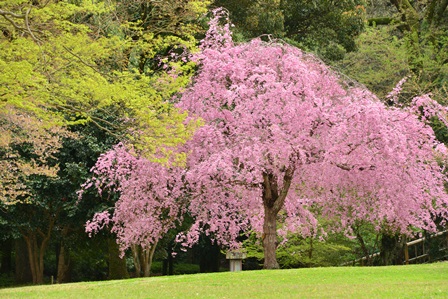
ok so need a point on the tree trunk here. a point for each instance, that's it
(364, 249)
(209, 257)
(36, 254)
(147, 261)
(143, 259)
(273, 201)
(168, 262)
(136, 258)
(22, 263)
(270, 238)
(117, 265)
(6, 253)
(148, 256)
(63, 265)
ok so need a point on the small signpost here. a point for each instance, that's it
(236, 260)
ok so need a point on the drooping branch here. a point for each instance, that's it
(27, 23)
(93, 67)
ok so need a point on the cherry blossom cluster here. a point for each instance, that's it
(281, 132)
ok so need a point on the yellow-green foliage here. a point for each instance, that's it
(65, 59)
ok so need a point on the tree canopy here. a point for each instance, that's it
(114, 64)
(284, 137)
(328, 28)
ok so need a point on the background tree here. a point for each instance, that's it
(149, 204)
(69, 63)
(379, 62)
(411, 37)
(27, 148)
(328, 28)
(65, 62)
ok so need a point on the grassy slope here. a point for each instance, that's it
(416, 281)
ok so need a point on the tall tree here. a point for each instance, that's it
(282, 133)
(67, 63)
(61, 59)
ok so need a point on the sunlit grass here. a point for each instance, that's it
(414, 281)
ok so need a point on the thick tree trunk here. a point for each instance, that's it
(63, 274)
(148, 256)
(6, 253)
(37, 242)
(270, 238)
(22, 263)
(117, 265)
(143, 259)
(147, 261)
(36, 252)
(273, 201)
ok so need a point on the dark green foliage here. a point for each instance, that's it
(327, 27)
(392, 249)
(179, 268)
(6, 280)
(440, 130)
(89, 259)
(186, 269)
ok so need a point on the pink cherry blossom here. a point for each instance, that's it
(282, 133)
(283, 138)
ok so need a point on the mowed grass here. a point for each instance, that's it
(414, 281)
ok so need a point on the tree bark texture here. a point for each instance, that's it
(6, 253)
(143, 260)
(63, 274)
(270, 239)
(22, 263)
(273, 201)
(117, 265)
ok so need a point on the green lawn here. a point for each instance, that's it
(415, 281)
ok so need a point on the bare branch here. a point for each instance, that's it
(344, 166)
(9, 16)
(5, 13)
(27, 23)
(14, 24)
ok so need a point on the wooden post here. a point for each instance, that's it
(406, 254)
(424, 250)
